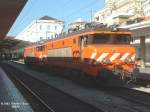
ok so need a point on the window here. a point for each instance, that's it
(55, 27)
(41, 48)
(40, 27)
(56, 35)
(48, 27)
(107, 39)
(97, 18)
(41, 38)
(52, 36)
(63, 43)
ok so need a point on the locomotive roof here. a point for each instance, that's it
(97, 30)
(104, 30)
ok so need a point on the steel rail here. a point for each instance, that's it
(29, 90)
(29, 76)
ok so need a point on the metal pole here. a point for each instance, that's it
(82, 48)
(142, 45)
(91, 15)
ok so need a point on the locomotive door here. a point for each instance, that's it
(83, 43)
(44, 49)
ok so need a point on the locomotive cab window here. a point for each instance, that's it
(40, 48)
(108, 39)
(85, 39)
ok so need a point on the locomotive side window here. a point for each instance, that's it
(108, 39)
(63, 43)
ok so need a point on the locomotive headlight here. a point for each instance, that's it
(128, 60)
(40, 56)
(107, 61)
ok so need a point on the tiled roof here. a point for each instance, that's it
(47, 18)
(50, 18)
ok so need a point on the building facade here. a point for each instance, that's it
(118, 11)
(146, 7)
(42, 29)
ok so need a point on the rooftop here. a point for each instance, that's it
(49, 18)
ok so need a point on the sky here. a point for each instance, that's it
(65, 10)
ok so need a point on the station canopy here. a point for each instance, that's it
(9, 11)
(11, 44)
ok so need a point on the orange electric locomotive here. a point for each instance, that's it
(101, 53)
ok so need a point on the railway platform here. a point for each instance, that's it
(143, 73)
(11, 99)
(145, 70)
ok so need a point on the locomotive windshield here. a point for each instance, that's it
(108, 39)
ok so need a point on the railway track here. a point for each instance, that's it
(131, 95)
(140, 82)
(135, 96)
(128, 95)
(46, 98)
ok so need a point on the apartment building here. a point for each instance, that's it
(119, 11)
(44, 28)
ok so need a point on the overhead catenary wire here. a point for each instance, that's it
(66, 4)
(31, 5)
(80, 9)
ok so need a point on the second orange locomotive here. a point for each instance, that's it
(100, 53)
